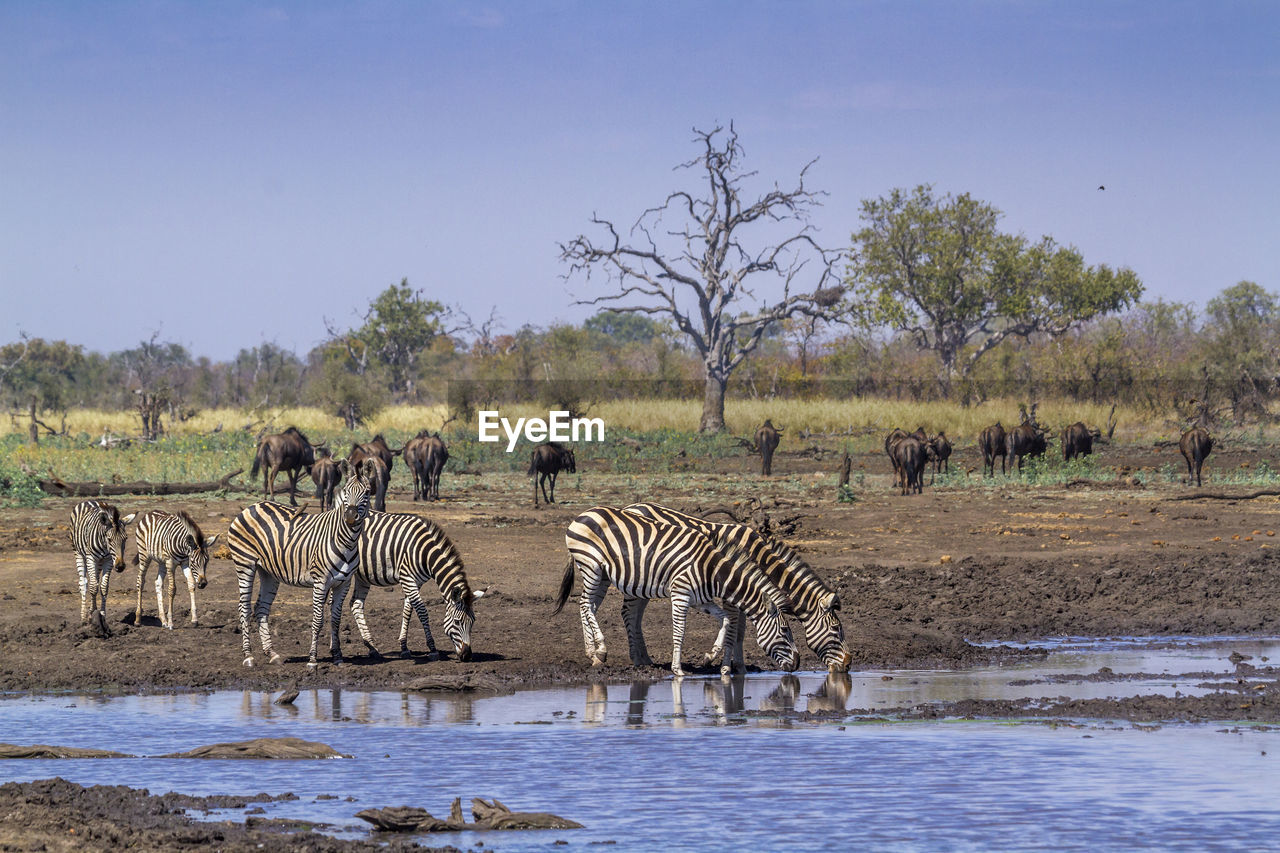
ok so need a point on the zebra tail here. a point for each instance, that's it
(566, 584)
(257, 461)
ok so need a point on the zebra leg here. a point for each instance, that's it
(143, 561)
(268, 586)
(83, 575)
(337, 593)
(594, 586)
(727, 626)
(244, 580)
(173, 592)
(717, 648)
(162, 571)
(679, 610)
(740, 633)
(359, 591)
(103, 573)
(191, 588)
(413, 601)
(632, 616)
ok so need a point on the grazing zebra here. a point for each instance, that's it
(173, 540)
(279, 545)
(97, 535)
(645, 559)
(814, 603)
(404, 549)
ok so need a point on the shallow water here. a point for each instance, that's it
(706, 765)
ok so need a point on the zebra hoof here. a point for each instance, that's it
(248, 662)
(708, 659)
(275, 658)
(677, 672)
(726, 671)
(433, 655)
(195, 624)
(312, 666)
(595, 661)
(405, 654)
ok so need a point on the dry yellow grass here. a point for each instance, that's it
(741, 416)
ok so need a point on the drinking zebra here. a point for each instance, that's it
(280, 545)
(97, 535)
(398, 548)
(815, 604)
(645, 559)
(173, 540)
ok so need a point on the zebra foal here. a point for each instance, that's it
(278, 545)
(644, 560)
(174, 541)
(404, 549)
(97, 536)
(815, 604)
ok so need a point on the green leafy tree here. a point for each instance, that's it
(399, 325)
(1242, 337)
(36, 374)
(624, 328)
(344, 386)
(936, 268)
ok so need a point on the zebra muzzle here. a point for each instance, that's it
(464, 652)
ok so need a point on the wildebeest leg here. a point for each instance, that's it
(553, 476)
(292, 474)
(537, 477)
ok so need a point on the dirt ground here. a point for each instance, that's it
(920, 578)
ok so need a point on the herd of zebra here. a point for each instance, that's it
(647, 551)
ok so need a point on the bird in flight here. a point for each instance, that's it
(1101, 187)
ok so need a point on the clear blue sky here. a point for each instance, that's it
(233, 172)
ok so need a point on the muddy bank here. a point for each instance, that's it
(56, 815)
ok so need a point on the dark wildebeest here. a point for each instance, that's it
(940, 453)
(436, 455)
(991, 441)
(326, 473)
(377, 446)
(894, 436)
(1077, 440)
(546, 461)
(1025, 440)
(909, 458)
(1195, 445)
(288, 451)
(375, 473)
(767, 438)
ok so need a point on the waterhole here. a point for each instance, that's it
(706, 764)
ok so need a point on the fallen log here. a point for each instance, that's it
(1223, 496)
(58, 487)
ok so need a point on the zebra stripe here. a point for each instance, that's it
(815, 604)
(97, 536)
(281, 545)
(404, 549)
(173, 540)
(644, 560)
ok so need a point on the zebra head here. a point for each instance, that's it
(772, 632)
(459, 616)
(825, 635)
(352, 497)
(198, 548)
(113, 530)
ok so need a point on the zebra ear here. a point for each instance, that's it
(128, 518)
(208, 543)
(831, 602)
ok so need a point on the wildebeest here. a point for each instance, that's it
(289, 451)
(546, 461)
(1195, 445)
(425, 454)
(909, 456)
(940, 453)
(376, 474)
(767, 438)
(895, 435)
(1025, 440)
(991, 441)
(377, 446)
(1077, 440)
(326, 473)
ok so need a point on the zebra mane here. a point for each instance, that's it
(196, 533)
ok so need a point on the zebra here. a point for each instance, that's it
(405, 549)
(645, 559)
(815, 604)
(280, 545)
(173, 540)
(97, 535)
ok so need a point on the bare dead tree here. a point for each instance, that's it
(691, 261)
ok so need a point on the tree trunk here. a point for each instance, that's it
(712, 404)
